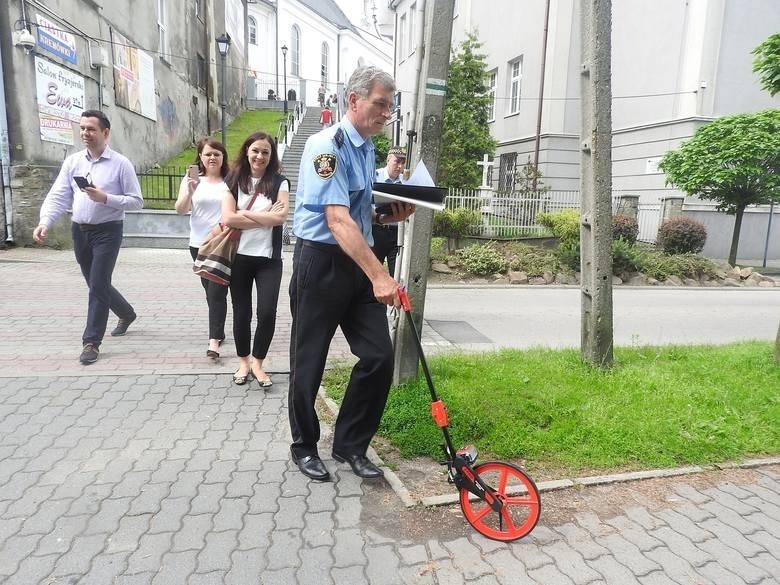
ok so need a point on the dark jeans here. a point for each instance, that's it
(266, 275)
(96, 248)
(386, 244)
(329, 290)
(216, 299)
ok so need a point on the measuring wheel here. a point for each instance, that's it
(518, 494)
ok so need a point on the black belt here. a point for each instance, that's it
(330, 248)
(96, 226)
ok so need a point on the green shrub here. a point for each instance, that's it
(661, 266)
(564, 224)
(626, 257)
(625, 227)
(532, 261)
(680, 235)
(454, 223)
(482, 259)
(568, 255)
(438, 249)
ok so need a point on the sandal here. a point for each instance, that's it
(266, 383)
(210, 353)
(241, 380)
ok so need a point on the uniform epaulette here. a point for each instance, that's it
(339, 137)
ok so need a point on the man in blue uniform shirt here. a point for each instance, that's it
(386, 234)
(337, 281)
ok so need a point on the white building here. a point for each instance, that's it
(322, 47)
(676, 64)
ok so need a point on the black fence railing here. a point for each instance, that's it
(161, 183)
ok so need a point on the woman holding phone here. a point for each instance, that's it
(201, 193)
(257, 205)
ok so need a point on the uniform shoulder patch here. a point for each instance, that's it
(325, 165)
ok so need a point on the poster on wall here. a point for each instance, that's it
(133, 77)
(234, 24)
(52, 38)
(60, 97)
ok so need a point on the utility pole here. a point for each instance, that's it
(596, 182)
(414, 269)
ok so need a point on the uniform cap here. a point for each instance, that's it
(398, 151)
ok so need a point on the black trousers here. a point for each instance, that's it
(329, 290)
(96, 247)
(216, 299)
(265, 274)
(386, 244)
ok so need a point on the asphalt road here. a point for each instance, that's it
(550, 316)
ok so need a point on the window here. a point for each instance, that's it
(401, 41)
(201, 71)
(412, 20)
(515, 76)
(252, 31)
(491, 91)
(506, 171)
(295, 51)
(162, 27)
(325, 59)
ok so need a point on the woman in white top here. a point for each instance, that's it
(203, 197)
(254, 179)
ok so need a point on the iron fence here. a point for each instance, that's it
(161, 183)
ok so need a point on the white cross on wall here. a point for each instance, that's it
(485, 164)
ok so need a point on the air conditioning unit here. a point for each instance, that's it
(98, 56)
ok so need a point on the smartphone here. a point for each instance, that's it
(82, 182)
(193, 172)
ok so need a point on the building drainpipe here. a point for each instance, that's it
(276, 47)
(5, 159)
(541, 94)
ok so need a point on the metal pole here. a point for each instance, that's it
(541, 95)
(223, 104)
(768, 230)
(285, 87)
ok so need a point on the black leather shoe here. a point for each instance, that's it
(361, 465)
(311, 466)
(122, 325)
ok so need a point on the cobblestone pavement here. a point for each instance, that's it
(147, 469)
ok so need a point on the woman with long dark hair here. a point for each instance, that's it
(256, 204)
(201, 194)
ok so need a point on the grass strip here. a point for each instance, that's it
(656, 407)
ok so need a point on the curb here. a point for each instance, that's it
(551, 485)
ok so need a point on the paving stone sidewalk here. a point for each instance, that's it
(151, 467)
(182, 479)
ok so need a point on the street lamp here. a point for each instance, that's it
(284, 54)
(223, 46)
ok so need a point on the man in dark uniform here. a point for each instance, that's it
(386, 234)
(337, 281)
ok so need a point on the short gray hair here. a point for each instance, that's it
(363, 79)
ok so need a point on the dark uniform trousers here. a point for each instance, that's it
(386, 244)
(329, 290)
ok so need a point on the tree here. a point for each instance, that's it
(734, 160)
(767, 64)
(465, 133)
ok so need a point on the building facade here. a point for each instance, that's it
(323, 47)
(156, 77)
(676, 64)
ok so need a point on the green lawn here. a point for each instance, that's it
(160, 190)
(657, 407)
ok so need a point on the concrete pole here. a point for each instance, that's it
(596, 182)
(433, 79)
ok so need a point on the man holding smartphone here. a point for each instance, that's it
(107, 187)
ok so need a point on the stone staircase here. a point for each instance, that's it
(291, 161)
